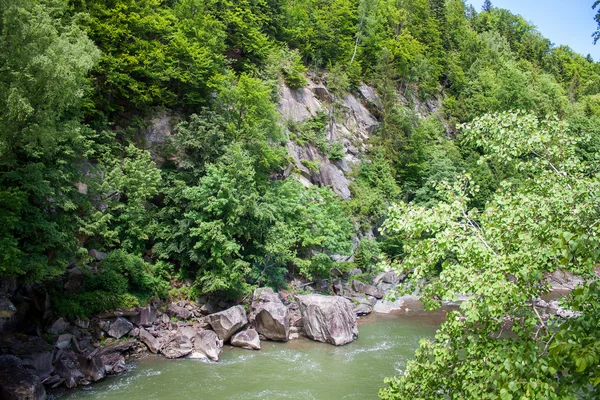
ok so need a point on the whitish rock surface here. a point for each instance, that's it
(269, 315)
(176, 345)
(228, 322)
(247, 339)
(328, 319)
(207, 345)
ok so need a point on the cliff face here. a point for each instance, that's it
(349, 124)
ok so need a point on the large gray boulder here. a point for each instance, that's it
(91, 365)
(228, 322)
(34, 352)
(179, 311)
(112, 356)
(18, 382)
(119, 328)
(67, 367)
(63, 341)
(146, 316)
(207, 345)
(149, 340)
(176, 345)
(369, 290)
(269, 315)
(328, 319)
(59, 327)
(247, 339)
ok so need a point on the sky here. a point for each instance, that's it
(568, 22)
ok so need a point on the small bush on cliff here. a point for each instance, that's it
(123, 280)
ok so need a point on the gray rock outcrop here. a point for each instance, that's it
(247, 339)
(328, 319)
(269, 315)
(228, 322)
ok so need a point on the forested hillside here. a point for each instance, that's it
(481, 174)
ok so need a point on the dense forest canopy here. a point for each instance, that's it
(483, 195)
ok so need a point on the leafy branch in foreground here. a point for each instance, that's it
(497, 345)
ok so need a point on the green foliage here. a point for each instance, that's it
(236, 228)
(286, 64)
(122, 214)
(45, 60)
(123, 280)
(153, 54)
(373, 190)
(498, 256)
(367, 254)
(312, 165)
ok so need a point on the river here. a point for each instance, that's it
(299, 369)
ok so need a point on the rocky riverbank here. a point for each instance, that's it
(80, 352)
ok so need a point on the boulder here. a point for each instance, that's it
(114, 362)
(176, 345)
(63, 341)
(363, 309)
(74, 281)
(112, 356)
(67, 368)
(269, 315)
(366, 289)
(355, 271)
(247, 339)
(389, 277)
(34, 352)
(18, 382)
(228, 322)
(59, 327)
(149, 340)
(188, 331)
(328, 319)
(146, 316)
(96, 254)
(207, 345)
(7, 309)
(336, 272)
(119, 328)
(91, 365)
(338, 287)
(180, 312)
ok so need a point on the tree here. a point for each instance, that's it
(45, 59)
(487, 6)
(497, 345)
(596, 34)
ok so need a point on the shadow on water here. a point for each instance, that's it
(300, 369)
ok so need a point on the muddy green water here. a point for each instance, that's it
(300, 369)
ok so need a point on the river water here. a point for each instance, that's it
(300, 369)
